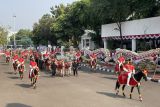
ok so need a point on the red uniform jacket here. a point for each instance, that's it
(21, 60)
(33, 63)
(15, 57)
(121, 59)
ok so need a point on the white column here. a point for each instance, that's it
(90, 44)
(134, 45)
(84, 43)
(105, 43)
(81, 43)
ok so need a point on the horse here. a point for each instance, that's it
(15, 65)
(21, 70)
(7, 59)
(34, 76)
(134, 82)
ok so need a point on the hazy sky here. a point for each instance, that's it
(27, 12)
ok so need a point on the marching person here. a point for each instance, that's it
(93, 56)
(53, 67)
(78, 55)
(75, 68)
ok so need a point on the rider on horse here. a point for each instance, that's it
(21, 61)
(15, 62)
(129, 69)
(33, 66)
(8, 55)
(120, 62)
(21, 66)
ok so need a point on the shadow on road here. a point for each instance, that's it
(17, 105)
(89, 71)
(47, 76)
(8, 72)
(111, 78)
(13, 77)
(4, 64)
(24, 85)
(113, 95)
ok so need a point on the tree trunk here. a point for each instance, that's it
(120, 32)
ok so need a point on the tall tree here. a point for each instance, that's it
(3, 36)
(42, 32)
(23, 37)
(70, 22)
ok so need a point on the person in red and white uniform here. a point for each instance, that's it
(8, 55)
(33, 66)
(21, 61)
(78, 55)
(129, 69)
(121, 60)
(93, 56)
(15, 58)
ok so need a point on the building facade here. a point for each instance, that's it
(132, 32)
(86, 42)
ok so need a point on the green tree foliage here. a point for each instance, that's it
(23, 37)
(3, 36)
(70, 22)
(41, 31)
(67, 23)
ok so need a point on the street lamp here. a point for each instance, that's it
(14, 28)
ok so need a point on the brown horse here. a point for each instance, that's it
(15, 65)
(134, 82)
(34, 76)
(7, 59)
(21, 70)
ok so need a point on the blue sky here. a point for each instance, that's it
(27, 12)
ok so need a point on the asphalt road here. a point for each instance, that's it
(89, 89)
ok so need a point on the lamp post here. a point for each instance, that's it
(14, 28)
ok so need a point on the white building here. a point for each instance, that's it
(86, 42)
(10, 33)
(132, 30)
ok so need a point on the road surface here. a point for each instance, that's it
(87, 90)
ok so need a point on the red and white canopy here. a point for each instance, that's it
(145, 36)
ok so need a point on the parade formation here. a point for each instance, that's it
(65, 63)
(80, 53)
